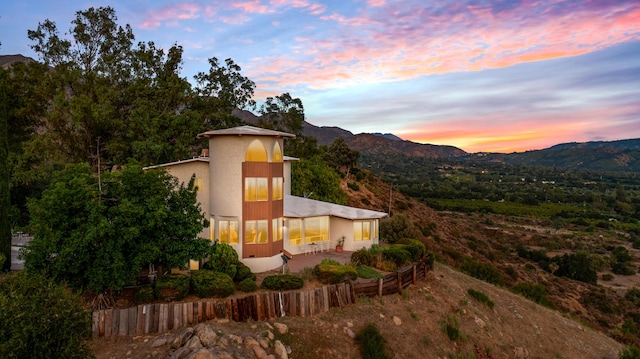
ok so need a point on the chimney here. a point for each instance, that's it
(205, 152)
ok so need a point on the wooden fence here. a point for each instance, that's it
(162, 317)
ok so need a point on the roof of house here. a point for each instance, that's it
(195, 159)
(246, 131)
(299, 207)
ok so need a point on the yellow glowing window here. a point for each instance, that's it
(256, 232)
(375, 230)
(212, 229)
(256, 152)
(197, 184)
(228, 232)
(276, 228)
(316, 229)
(256, 189)
(277, 153)
(194, 265)
(277, 187)
(295, 232)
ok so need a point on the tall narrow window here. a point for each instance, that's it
(277, 152)
(228, 231)
(256, 152)
(256, 232)
(256, 189)
(276, 228)
(276, 188)
(295, 232)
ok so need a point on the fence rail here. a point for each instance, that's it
(162, 317)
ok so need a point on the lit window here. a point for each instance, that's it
(256, 152)
(277, 152)
(276, 227)
(228, 231)
(316, 229)
(277, 188)
(256, 189)
(256, 232)
(362, 231)
(197, 184)
(295, 232)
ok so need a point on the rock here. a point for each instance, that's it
(269, 326)
(182, 338)
(480, 322)
(234, 338)
(222, 321)
(349, 332)
(259, 352)
(264, 342)
(159, 342)
(203, 354)
(381, 316)
(521, 353)
(194, 343)
(281, 328)
(280, 350)
(207, 336)
(181, 353)
(350, 324)
(269, 334)
(225, 355)
(397, 321)
(250, 342)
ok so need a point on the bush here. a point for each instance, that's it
(482, 271)
(631, 352)
(368, 272)
(450, 326)
(534, 292)
(607, 277)
(207, 283)
(224, 259)
(144, 294)
(3, 258)
(633, 295)
(333, 274)
(363, 256)
(41, 319)
(480, 297)
(371, 343)
(397, 254)
(243, 272)
(416, 248)
(247, 285)
(172, 286)
(330, 262)
(282, 282)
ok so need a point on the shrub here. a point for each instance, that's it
(172, 286)
(371, 343)
(333, 274)
(534, 292)
(397, 254)
(144, 294)
(577, 266)
(207, 283)
(363, 256)
(482, 271)
(282, 282)
(607, 277)
(41, 319)
(416, 249)
(354, 186)
(368, 272)
(3, 258)
(450, 326)
(330, 261)
(224, 259)
(633, 295)
(480, 297)
(243, 272)
(247, 285)
(631, 352)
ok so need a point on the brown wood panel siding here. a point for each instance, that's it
(263, 209)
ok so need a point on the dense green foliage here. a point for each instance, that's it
(144, 294)
(533, 291)
(480, 297)
(367, 272)
(335, 273)
(5, 197)
(172, 286)
(41, 319)
(207, 283)
(99, 232)
(397, 254)
(371, 343)
(363, 256)
(312, 178)
(224, 259)
(483, 271)
(398, 227)
(282, 282)
(247, 285)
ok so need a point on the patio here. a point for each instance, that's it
(301, 261)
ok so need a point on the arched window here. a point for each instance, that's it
(256, 152)
(277, 152)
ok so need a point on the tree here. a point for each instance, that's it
(41, 319)
(398, 227)
(285, 113)
(98, 233)
(312, 178)
(220, 91)
(5, 198)
(340, 156)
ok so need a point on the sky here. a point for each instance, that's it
(480, 75)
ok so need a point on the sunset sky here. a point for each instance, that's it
(481, 75)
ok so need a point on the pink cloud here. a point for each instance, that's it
(390, 43)
(170, 15)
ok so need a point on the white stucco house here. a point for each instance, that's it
(244, 189)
